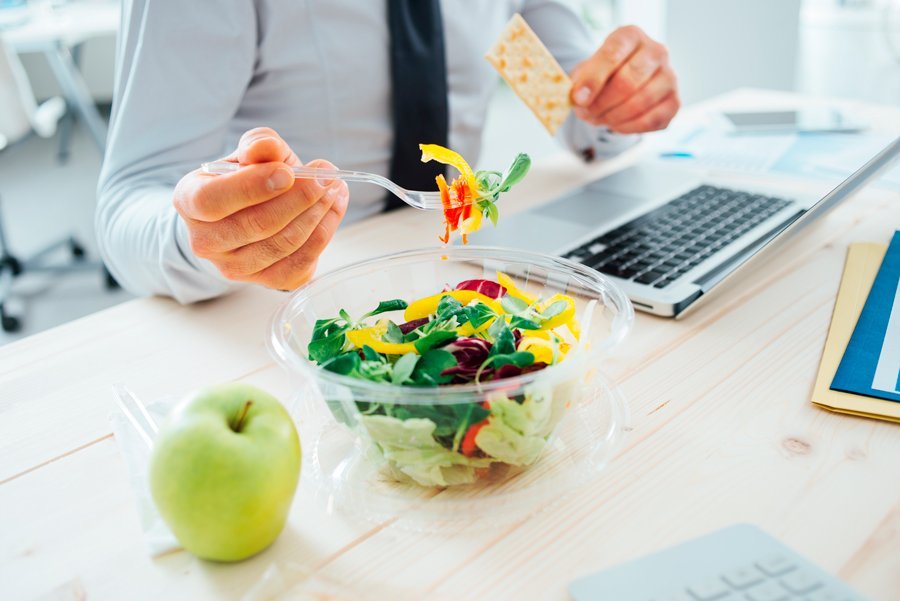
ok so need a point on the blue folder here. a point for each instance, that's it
(871, 363)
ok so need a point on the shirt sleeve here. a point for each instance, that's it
(181, 71)
(567, 38)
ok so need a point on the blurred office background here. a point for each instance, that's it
(831, 48)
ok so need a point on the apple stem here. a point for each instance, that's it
(241, 416)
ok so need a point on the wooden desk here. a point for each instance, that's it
(722, 432)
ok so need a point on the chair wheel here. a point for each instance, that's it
(11, 324)
(12, 263)
(110, 281)
(77, 249)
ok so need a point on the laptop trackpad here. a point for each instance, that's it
(532, 231)
(589, 206)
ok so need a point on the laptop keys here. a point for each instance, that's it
(660, 246)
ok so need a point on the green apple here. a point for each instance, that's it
(224, 469)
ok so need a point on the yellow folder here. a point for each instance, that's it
(863, 261)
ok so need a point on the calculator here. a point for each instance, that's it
(738, 563)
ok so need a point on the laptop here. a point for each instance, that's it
(668, 237)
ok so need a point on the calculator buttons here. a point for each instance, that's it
(775, 565)
(800, 581)
(767, 591)
(743, 577)
(710, 590)
(827, 595)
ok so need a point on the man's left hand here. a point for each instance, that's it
(628, 85)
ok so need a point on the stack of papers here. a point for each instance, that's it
(860, 369)
(826, 157)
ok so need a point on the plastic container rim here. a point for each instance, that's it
(591, 279)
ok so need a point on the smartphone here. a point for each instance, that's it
(808, 120)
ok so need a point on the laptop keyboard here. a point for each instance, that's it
(660, 246)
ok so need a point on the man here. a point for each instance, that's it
(357, 83)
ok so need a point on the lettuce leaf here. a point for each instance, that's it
(411, 449)
(517, 433)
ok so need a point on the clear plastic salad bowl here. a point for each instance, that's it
(530, 409)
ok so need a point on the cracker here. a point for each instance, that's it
(532, 72)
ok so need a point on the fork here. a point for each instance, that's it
(427, 201)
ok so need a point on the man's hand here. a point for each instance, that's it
(258, 224)
(627, 85)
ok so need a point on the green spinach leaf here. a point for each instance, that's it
(403, 368)
(431, 365)
(343, 364)
(520, 166)
(435, 338)
(323, 349)
(397, 304)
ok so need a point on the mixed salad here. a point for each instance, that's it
(472, 195)
(478, 331)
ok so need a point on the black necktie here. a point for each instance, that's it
(419, 91)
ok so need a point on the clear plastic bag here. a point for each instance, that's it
(134, 424)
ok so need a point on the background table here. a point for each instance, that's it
(722, 431)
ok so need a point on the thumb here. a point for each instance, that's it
(264, 145)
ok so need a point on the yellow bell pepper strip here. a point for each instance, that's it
(542, 349)
(434, 152)
(428, 305)
(567, 315)
(472, 221)
(459, 197)
(512, 290)
(574, 327)
(372, 337)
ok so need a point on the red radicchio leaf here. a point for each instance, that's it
(485, 287)
(509, 371)
(470, 353)
(409, 326)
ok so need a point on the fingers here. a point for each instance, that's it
(656, 118)
(298, 268)
(265, 175)
(258, 256)
(260, 221)
(628, 85)
(646, 98)
(589, 77)
(264, 145)
(203, 197)
(628, 81)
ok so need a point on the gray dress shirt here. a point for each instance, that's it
(193, 76)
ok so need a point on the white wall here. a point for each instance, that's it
(851, 51)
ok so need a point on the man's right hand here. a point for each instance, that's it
(259, 224)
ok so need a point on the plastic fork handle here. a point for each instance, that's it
(223, 167)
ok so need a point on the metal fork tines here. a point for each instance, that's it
(428, 201)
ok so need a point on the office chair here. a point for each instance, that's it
(20, 117)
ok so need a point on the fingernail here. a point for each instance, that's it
(338, 194)
(281, 178)
(323, 166)
(582, 95)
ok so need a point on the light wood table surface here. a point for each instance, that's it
(722, 431)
